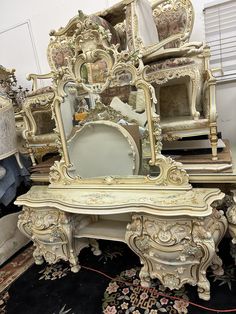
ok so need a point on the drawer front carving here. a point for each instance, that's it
(51, 232)
(177, 250)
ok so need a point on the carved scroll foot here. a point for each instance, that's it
(145, 279)
(38, 257)
(75, 268)
(216, 266)
(204, 289)
(95, 247)
(74, 262)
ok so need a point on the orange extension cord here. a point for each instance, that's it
(160, 293)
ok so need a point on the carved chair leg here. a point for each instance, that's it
(32, 156)
(193, 99)
(214, 141)
(95, 247)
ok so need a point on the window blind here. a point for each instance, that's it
(220, 28)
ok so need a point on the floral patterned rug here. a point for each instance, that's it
(109, 284)
(122, 297)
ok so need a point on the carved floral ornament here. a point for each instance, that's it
(91, 45)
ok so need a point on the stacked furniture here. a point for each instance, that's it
(98, 189)
(11, 240)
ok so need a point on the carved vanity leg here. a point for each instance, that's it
(216, 266)
(144, 276)
(95, 247)
(138, 245)
(203, 283)
(74, 263)
(38, 257)
(205, 242)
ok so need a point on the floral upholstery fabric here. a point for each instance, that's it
(115, 39)
(60, 54)
(170, 63)
(170, 22)
(39, 91)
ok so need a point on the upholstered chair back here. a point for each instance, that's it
(58, 53)
(174, 17)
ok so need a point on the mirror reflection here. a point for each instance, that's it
(106, 132)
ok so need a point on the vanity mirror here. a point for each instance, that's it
(103, 110)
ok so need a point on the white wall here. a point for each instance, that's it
(226, 107)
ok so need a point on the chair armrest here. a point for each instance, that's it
(210, 85)
(35, 77)
(154, 52)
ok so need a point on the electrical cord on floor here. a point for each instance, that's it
(160, 293)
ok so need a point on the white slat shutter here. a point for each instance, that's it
(220, 28)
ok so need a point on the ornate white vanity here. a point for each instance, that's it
(99, 190)
(175, 232)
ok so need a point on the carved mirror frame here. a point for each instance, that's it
(91, 43)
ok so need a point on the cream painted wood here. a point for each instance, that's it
(171, 226)
(175, 233)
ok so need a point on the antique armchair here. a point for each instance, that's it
(183, 113)
(36, 110)
(37, 116)
(174, 64)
